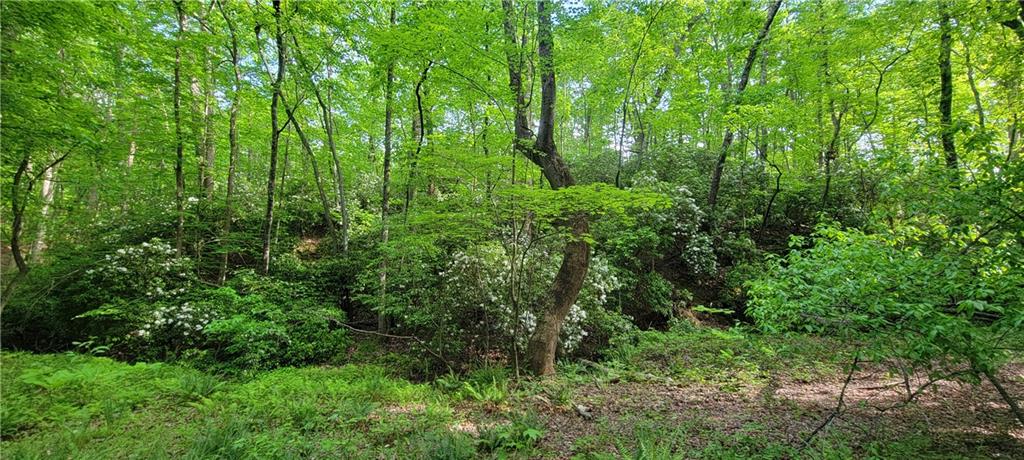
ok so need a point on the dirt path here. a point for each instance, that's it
(959, 419)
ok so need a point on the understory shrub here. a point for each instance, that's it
(254, 323)
(466, 301)
(933, 298)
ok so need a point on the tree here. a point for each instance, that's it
(179, 141)
(275, 132)
(385, 195)
(946, 89)
(716, 175)
(543, 344)
(236, 98)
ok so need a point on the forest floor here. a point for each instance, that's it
(950, 420)
(700, 393)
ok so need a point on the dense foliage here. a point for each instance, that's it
(241, 186)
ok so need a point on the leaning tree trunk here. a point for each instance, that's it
(18, 213)
(327, 121)
(328, 222)
(543, 343)
(716, 175)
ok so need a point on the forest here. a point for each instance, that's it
(439, 229)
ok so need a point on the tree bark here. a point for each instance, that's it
(515, 57)
(179, 161)
(946, 91)
(716, 175)
(327, 121)
(275, 135)
(382, 319)
(209, 146)
(420, 128)
(232, 139)
(771, 200)
(46, 195)
(543, 343)
(18, 213)
(328, 221)
(974, 87)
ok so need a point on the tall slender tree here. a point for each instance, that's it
(236, 101)
(946, 89)
(179, 161)
(716, 175)
(275, 132)
(385, 195)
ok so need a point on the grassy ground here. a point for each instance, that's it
(686, 394)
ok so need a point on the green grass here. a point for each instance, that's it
(74, 406)
(85, 407)
(727, 359)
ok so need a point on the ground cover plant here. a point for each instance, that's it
(511, 229)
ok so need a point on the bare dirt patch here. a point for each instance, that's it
(959, 419)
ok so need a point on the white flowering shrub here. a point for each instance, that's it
(480, 278)
(684, 219)
(657, 237)
(183, 321)
(149, 270)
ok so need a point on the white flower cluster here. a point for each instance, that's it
(572, 328)
(600, 282)
(506, 323)
(177, 319)
(481, 277)
(685, 217)
(149, 269)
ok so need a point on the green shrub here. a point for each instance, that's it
(926, 295)
(263, 336)
(462, 302)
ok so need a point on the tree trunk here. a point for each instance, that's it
(209, 146)
(716, 175)
(832, 149)
(771, 200)
(46, 195)
(543, 343)
(946, 91)
(420, 128)
(327, 121)
(339, 174)
(18, 212)
(232, 140)
(282, 187)
(974, 88)
(179, 173)
(382, 319)
(328, 222)
(275, 135)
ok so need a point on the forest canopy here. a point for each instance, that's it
(240, 186)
